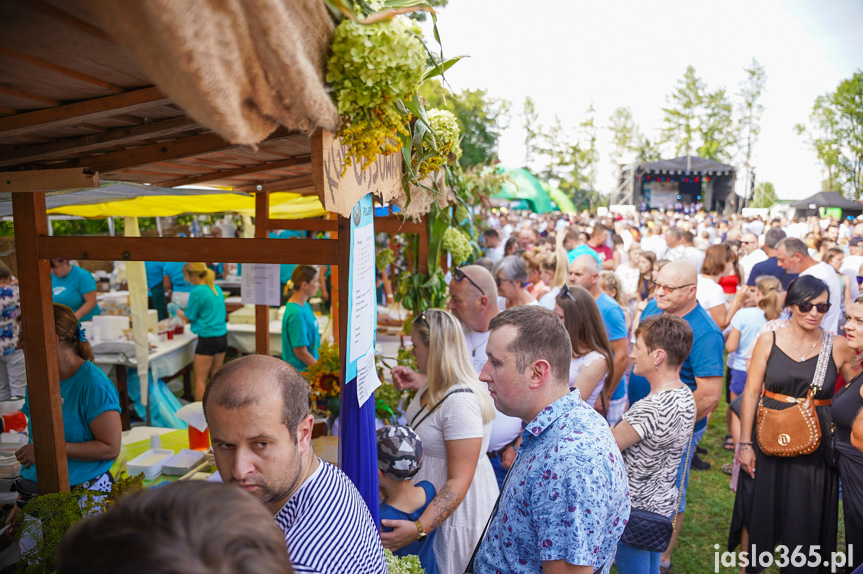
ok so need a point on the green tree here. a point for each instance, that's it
(835, 133)
(749, 109)
(764, 195)
(716, 129)
(624, 133)
(481, 119)
(648, 151)
(530, 118)
(681, 116)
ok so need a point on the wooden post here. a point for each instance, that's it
(40, 343)
(262, 312)
(335, 291)
(344, 292)
(423, 255)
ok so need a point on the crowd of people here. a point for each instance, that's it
(559, 401)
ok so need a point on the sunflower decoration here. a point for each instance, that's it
(324, 376)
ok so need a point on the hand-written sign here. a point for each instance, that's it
(340, 193)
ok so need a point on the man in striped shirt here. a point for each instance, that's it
(257, 409)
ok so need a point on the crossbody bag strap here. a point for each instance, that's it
(685, 470)
(469, 568)
(434, 408)
(823, 361)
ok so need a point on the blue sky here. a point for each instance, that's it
(567, 55)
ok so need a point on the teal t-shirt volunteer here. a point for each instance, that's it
(206, 311)
(70, 290)
(174, 270)
(86, 395)
(299, 329)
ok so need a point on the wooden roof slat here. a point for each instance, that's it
(280, 185)
(59, 69)
(78, 112)
(94, 142)
(235, 172)
(21, 94)
(154, 153)
(68, 19)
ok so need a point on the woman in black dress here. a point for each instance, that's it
(789, 500)
(848, 443)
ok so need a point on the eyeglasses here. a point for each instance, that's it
(565, 292)
(820, 307)
(459, 275)
(859, 280)
(421, 317)
(498, 281)
(668, 288)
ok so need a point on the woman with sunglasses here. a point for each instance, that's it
(792, 500)
(592, 363)
(452, 414)
(510, 274)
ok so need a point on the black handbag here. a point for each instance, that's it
(648, 530)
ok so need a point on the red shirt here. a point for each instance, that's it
(604, 251)
(729, 284)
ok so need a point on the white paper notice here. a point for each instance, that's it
(260, 285)
(367, 376)
(363, 294)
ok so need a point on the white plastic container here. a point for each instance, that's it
(149, 462)
(183, 462)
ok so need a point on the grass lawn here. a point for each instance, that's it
(709, 502)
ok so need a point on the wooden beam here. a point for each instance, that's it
(280, 185)
(395, 225)
(39, 339)
(39, 63)
(192, 179)
(66, 18)
(83, 111)
(302, 224)
(299, 251)
(93, 142)
(22, 95)
(158, 152)
(262, 312)
(47, 179)
(342, 298)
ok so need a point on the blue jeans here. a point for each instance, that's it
(696, 437)
(631, 560)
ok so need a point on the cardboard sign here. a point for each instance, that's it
(339, 193)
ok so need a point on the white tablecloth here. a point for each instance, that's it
(242, 338)
(168, 358)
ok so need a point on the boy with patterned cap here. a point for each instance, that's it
(400, 453)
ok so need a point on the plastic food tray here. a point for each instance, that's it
(183, 462)
(149, 462)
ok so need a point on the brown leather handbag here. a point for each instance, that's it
(794, 431)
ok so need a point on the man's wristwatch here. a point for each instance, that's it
(421, 534)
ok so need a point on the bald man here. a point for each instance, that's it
(702, 370)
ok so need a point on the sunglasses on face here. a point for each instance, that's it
(668, 288)
(498, 281)
(859, 280)
(820, 307)
(460, 275)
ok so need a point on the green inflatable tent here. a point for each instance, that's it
(564, 203)
(525, 186)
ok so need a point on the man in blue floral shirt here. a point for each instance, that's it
(566, 500)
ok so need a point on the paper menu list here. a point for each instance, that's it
(367, 376)
(363, 293)
(260, 284)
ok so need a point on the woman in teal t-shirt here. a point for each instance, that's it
(206, 313)
(91, 414)
(300, 335)
(75, 288)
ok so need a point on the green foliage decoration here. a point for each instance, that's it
(409, 564)
(383, 258)
(457, 244)
(47, 517)
(371, 67)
